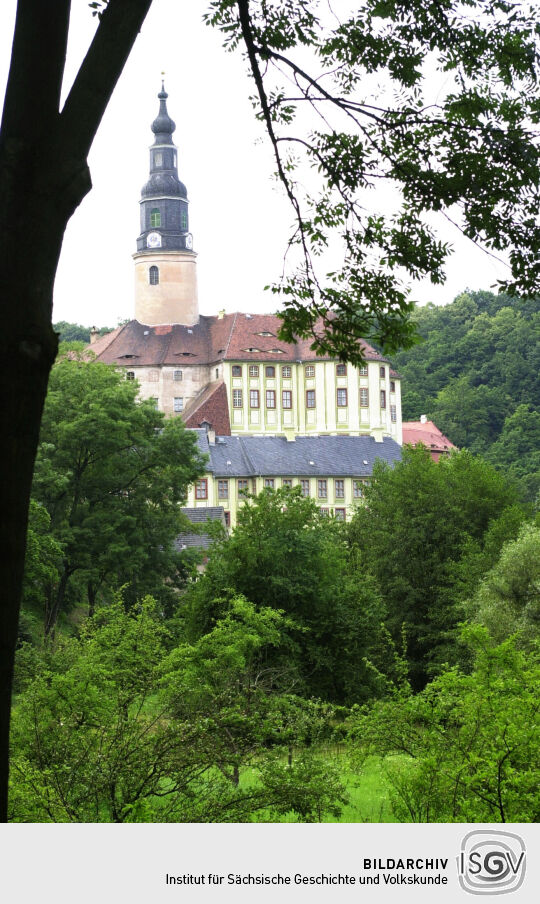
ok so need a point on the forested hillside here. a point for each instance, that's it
(477, 375)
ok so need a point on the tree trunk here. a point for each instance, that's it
(54, 611)
(43, 178)
(92, 594)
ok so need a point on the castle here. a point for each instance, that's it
(267, 413)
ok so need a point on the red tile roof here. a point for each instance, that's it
(210, 405)
(212, 339)
(427, 433)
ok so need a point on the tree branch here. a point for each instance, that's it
(100, 70)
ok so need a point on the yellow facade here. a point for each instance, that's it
(343, 494)
(321, 400)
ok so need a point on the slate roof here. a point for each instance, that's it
(188, 540)
(212, 339)
(307, 456)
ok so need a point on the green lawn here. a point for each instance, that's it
(368, 792)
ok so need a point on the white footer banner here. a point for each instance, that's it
(281, 863)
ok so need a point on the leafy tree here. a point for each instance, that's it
(472, 148)
(517, 450)
(112, 473)
(372, 117)
(508, 600)
(41, 571)
(419, 520)
(284, 555)
(477, 375)
(467, 744)
(74, 332)
(104, 734)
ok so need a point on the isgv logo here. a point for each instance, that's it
(491, 862)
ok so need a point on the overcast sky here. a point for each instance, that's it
(238, 216)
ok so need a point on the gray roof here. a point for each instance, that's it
(189, 540)
(275, 456)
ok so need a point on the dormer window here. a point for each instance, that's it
(155, 217)
(153, 276)
(265, 333)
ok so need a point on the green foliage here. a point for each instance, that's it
(42, 568)
(470, 741)
(284, 555)
(508, 599)
(422, 521)
(88, 746)
(365, 112)
(112, 473)
(476, 374)
(74, 332)
(116, 727)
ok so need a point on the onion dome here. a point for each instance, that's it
(163, 126)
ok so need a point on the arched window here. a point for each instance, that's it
(155, 217)
(153, 276)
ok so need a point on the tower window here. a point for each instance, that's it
(158, 158)
(155, 217)
(153, 276)
(183, 219)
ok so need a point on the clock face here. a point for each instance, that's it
(153, 240)
(189, 241)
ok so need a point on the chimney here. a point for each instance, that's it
(423, 419)
(211, 434)
(221, 314)
(94, 335)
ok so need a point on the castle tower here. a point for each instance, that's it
(165, 263)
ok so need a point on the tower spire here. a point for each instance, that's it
(165, 231)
